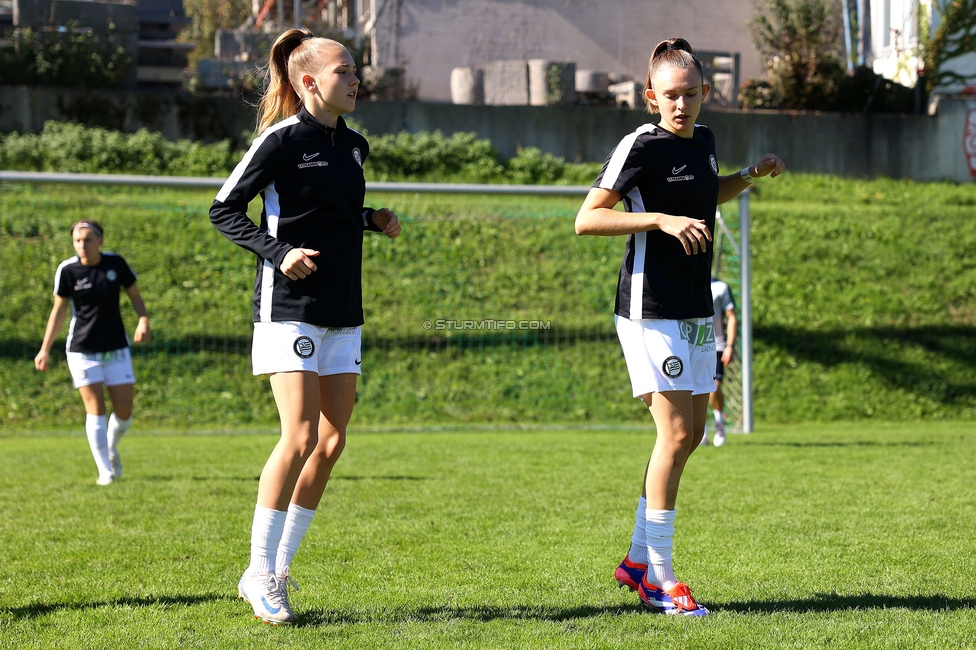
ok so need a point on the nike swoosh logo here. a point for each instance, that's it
(359, 361)
(677, 170)
(267, 606)
(306, 156)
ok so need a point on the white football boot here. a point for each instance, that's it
(268, 595)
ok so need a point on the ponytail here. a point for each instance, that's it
(674, 52)
(294, 54)
(280, 99)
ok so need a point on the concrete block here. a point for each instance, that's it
(467, 86)
(507, 83)
(551, 82)
(628, 94)
(592, 81)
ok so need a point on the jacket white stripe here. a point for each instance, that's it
(242, 166)
(273, 211)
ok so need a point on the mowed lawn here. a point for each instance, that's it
(842, 535)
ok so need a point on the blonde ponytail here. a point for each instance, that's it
(294, 54)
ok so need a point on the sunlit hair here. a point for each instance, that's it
(294, 54)
(675, 53)
(91, 224)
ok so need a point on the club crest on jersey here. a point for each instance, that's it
(304, 347)
(673, 367)
(357, 154)
(111, 275)
(713, 163)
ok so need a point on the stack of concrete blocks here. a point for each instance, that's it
(538, 82)
(628, 94)
(468, 86)
(552, 82)
(593, 87)
(507, 83)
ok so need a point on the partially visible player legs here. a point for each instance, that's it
(680, 420)
(93, 395)
(297, 397)
(717, 402)
(122, 396)
(631, 570)
(337, 394)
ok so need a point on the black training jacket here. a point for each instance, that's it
(310, 178)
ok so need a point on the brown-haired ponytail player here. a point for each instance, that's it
(307, 166)
(668, 179)
(98, 347)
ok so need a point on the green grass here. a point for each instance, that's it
(864, 307)
(842, 535)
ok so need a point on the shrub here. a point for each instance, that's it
(424, 156)
(67, 147)
(77, 57)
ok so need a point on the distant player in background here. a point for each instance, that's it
(667, 177)
(98, 347)
(725, 334)
(308, 302)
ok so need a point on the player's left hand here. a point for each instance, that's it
(388, 221)
(769, 165)
(143, 331)
(727, 355)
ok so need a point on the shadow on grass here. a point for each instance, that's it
(840, 603)
(852, 443)
(380, 478)
(487, 613)
(480, 613)
(42, 609)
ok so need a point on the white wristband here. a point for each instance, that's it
(746, 176)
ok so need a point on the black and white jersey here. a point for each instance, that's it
(655, 170)
(96, 322)
(722, 302)
(310, 177)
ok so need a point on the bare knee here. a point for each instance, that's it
(331, 444)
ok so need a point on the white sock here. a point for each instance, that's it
(98, 441)
(117, 429)
(265, 536)
(638, 541)
(659, 530)
(296, 524)
(719, 417)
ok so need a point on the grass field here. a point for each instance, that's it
(864, 307)
(840, 536)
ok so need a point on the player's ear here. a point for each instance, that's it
(705, 89)
(651, 97)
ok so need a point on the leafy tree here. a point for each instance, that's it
(208, 16)
(800, 41)
(954, 37)
(73, 57)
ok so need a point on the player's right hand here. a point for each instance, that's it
(298, 263)
(692, 233)
(40, 361)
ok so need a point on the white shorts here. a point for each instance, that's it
(291, 346)
(666, 355)
(112, 368)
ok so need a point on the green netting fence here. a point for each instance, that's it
(489, 309)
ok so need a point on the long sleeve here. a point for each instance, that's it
(254, 174)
